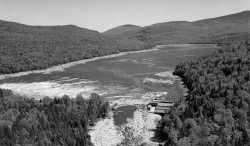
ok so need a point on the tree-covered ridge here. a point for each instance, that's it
(24, 48)
(211, 30)
(48, 122)
(216, 110)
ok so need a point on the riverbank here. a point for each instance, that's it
(67, 65)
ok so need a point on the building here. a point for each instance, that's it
(160, 106)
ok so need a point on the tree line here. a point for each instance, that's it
(47, 122)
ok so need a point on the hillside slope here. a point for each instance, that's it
(165, 33)
(212, 30)
(121, 29)
(233, 19)
(24, 47)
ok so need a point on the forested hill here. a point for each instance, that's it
(233, 19)
(24, 47)
(213, 30)
(121, 29)
(217, 108)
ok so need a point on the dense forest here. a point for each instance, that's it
(24, 48)
(48, 122)
(217, 108)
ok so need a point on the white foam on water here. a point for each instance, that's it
(73, 81)
(83, 82)
(157, 81)
(113, 89)
(39, 90)
(55, 88)
(148, 73)
(152, 95)
(124, 60)
(134, 98)
(146, 61)
(67, 79)
(167, 74)
(150, 62)
(62, 86)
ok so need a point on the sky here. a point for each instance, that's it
(102, 15)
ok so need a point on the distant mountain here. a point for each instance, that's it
(24, 47)
(121, 29)
(233, 19)
(203, 31)
(165, 33)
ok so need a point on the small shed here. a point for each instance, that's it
(159, 106)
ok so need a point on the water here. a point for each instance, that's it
(121, 79)
(122, 113)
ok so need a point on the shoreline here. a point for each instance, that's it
(186, 45)
(70, 64)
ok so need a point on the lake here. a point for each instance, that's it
(128, 79)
